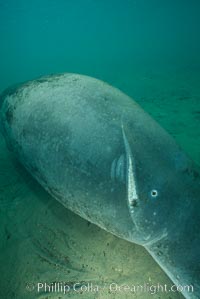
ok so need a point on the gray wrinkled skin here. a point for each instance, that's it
(98, 153)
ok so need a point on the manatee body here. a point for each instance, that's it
(99, 154)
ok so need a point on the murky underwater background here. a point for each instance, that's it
(148, 49)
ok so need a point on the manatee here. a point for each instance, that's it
(102, 156)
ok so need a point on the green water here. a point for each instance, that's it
(148, 49)
(111, 40)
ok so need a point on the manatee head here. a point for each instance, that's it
(162, 183)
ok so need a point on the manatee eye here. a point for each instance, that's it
(154, 193)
